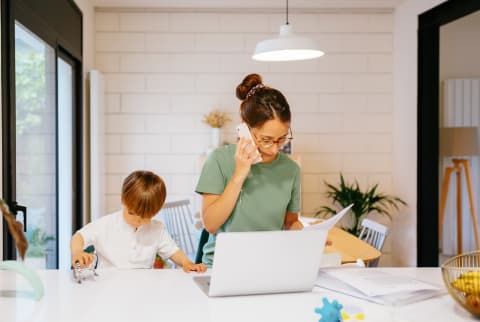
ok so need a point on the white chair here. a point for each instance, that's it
(374, 234)
(180, 223)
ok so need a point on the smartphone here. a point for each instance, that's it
(244, 132)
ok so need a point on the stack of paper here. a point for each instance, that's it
(377, 286)
(315, 223)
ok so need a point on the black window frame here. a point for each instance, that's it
(60, 24)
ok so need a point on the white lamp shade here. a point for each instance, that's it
(287, 47)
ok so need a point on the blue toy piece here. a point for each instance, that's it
(330, 312)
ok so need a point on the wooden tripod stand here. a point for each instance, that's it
(457, 168)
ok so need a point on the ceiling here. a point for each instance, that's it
(250, 4)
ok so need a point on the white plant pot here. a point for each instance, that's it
(214, 138)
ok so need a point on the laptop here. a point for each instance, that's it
(247, 263)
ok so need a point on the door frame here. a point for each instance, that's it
(428, 113)
(8, 118)
(77, 142)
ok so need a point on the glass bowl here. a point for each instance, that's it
(461, 275)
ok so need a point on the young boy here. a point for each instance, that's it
(130, 238)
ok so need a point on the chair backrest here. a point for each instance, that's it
(203, 239)
(374, 234)
(178, 219)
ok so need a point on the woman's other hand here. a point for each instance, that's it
(291, 222)
(296, 226)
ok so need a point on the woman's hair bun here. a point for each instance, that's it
(247, 84)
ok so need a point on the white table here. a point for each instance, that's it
(171, 295)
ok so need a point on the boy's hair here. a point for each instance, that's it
(143, 193)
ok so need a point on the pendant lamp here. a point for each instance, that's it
(287, 46)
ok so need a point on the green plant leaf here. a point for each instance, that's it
(324, 211)
(364, 202)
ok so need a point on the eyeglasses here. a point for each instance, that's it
(267, 143)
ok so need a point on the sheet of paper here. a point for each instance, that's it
(309, 223)
(374, 283)
(401, 290)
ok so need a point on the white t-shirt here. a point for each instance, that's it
(117, 244)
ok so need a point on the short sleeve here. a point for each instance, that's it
(212, 180)
(166, 246)
(294, 204)
(90, 232)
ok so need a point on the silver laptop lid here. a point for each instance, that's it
(266, 262)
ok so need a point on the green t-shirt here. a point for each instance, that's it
(269, 192)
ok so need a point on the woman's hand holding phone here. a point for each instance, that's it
(244, 158)
(246, 152)
(244, 132)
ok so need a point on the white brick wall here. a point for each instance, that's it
(164, 70)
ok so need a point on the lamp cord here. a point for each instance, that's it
(287, 12)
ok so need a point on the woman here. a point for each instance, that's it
(240, 194)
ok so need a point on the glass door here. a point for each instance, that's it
(36, 146)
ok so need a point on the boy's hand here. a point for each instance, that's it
(85, 259)
(191, 267)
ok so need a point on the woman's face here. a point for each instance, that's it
(270, 137)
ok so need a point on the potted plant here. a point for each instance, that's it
(364, 202)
